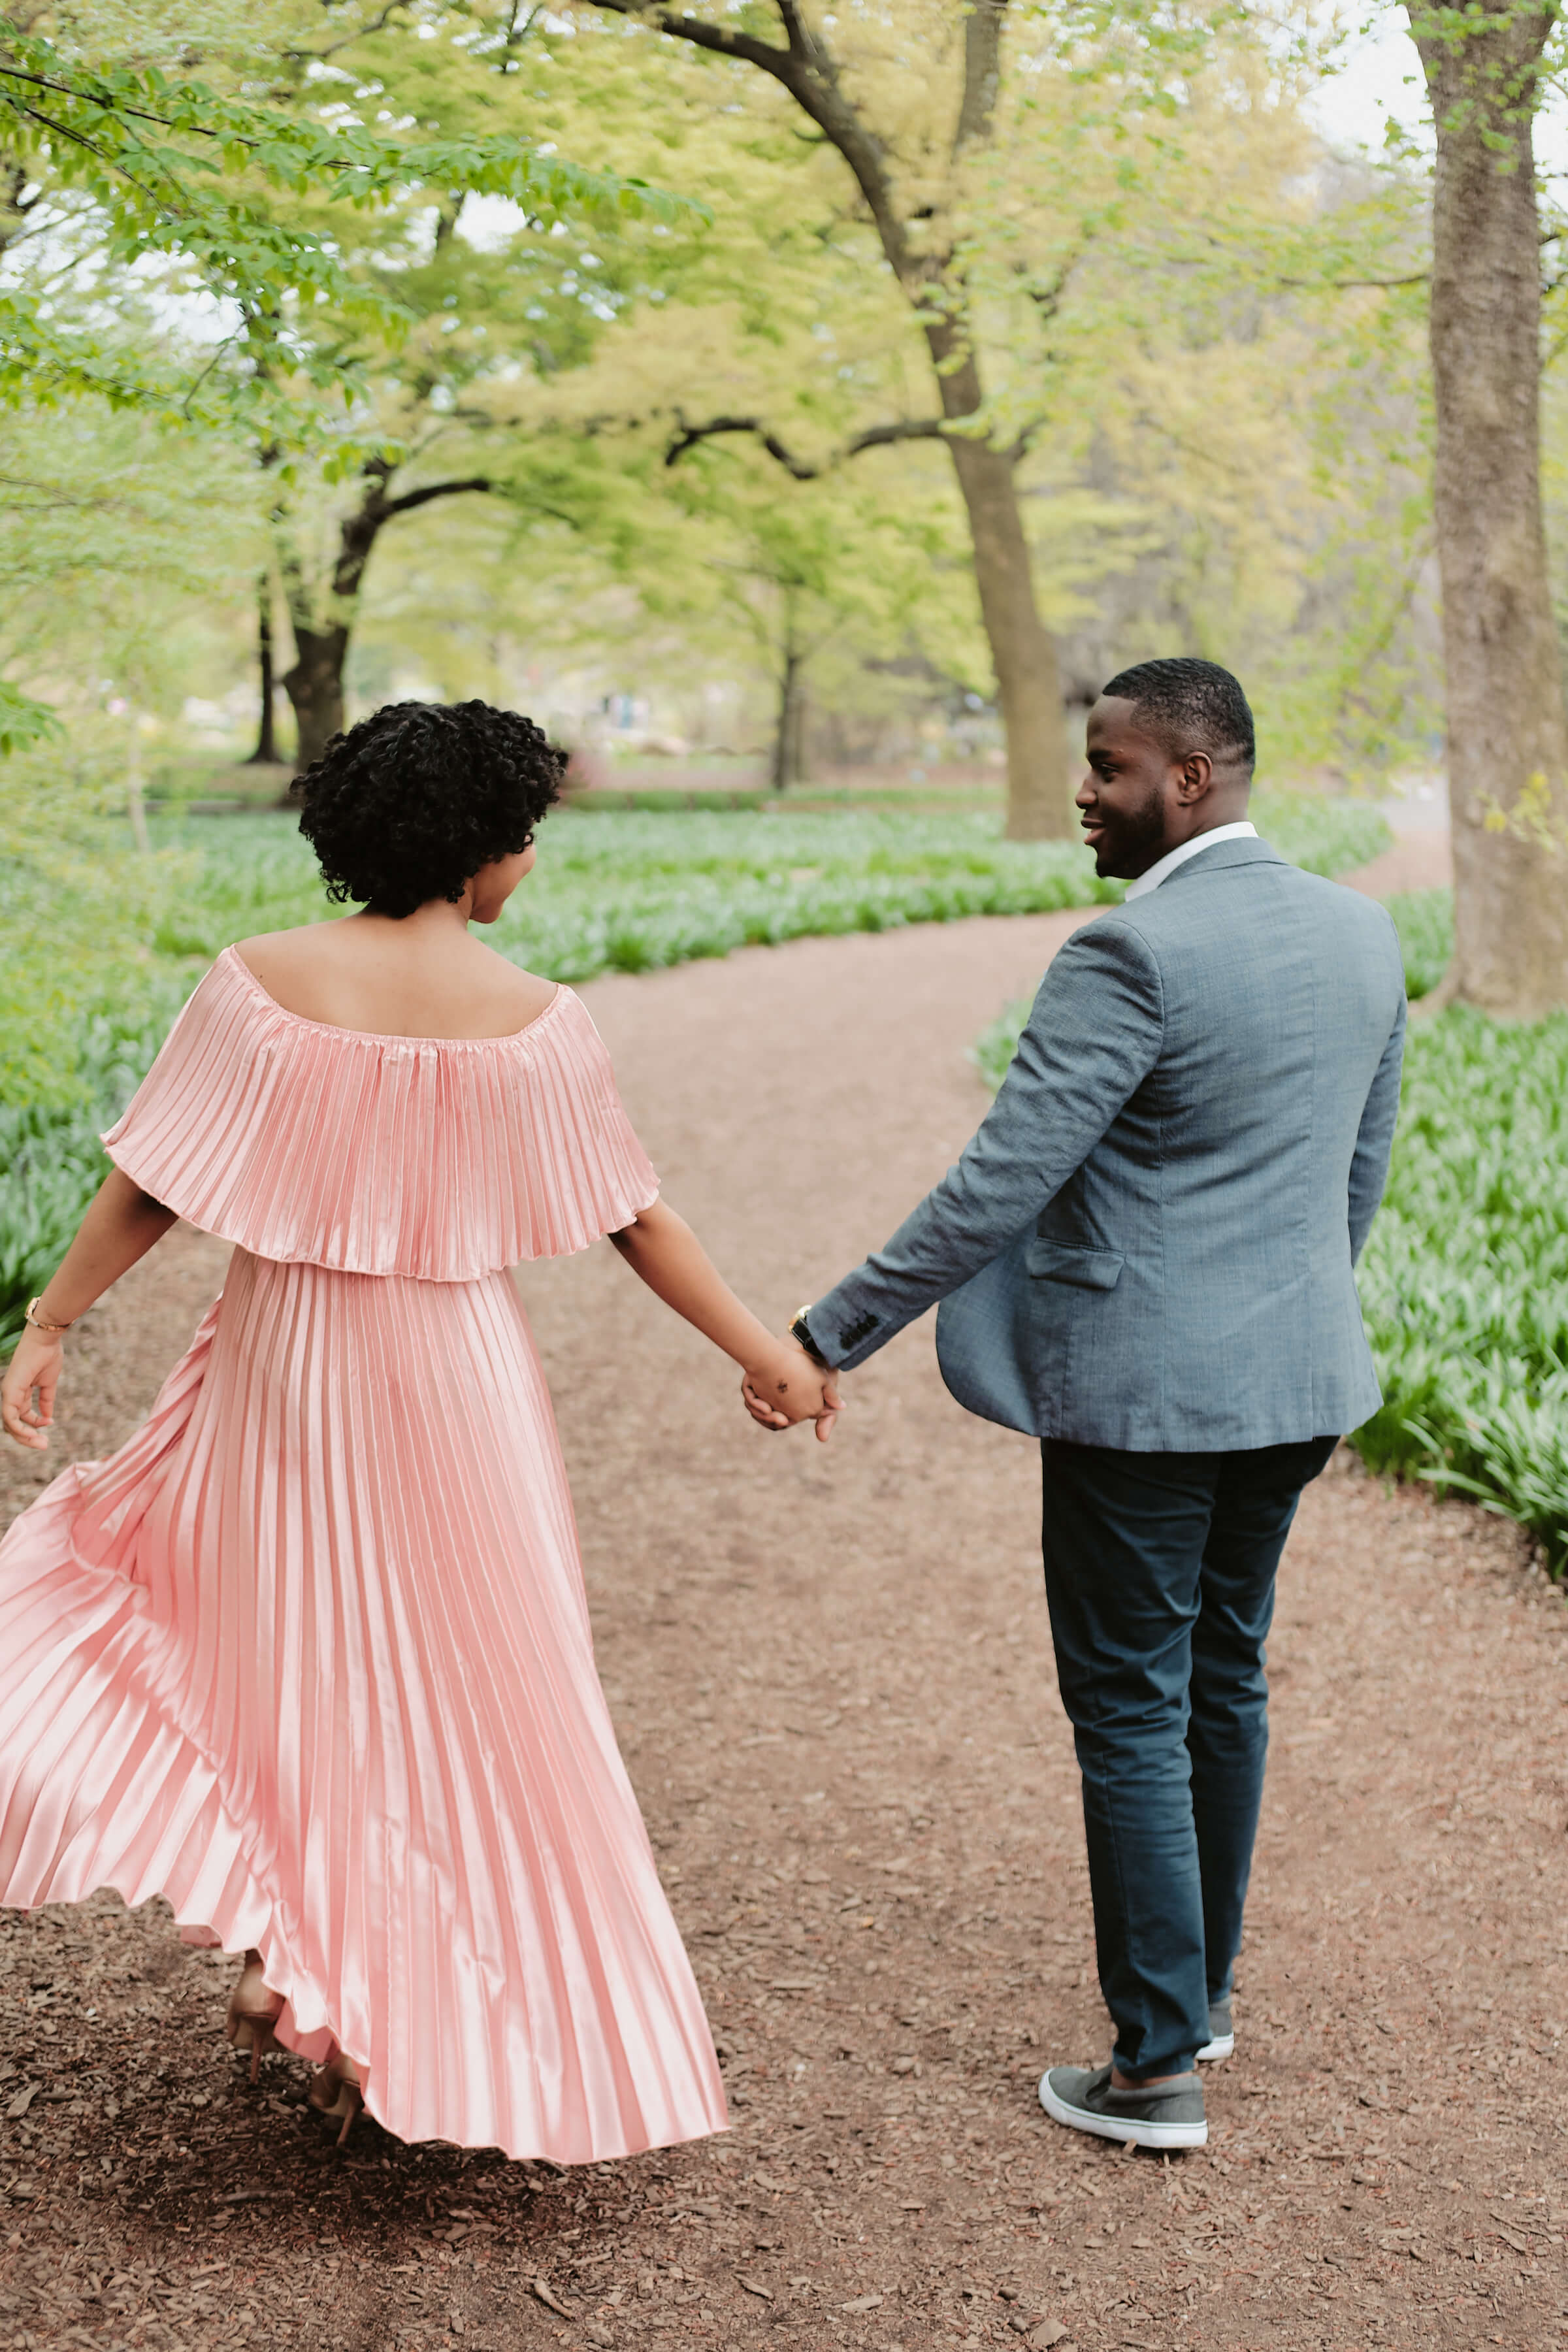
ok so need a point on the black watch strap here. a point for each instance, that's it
(800, 1329)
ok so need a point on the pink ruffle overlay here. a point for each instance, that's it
(310, 1655)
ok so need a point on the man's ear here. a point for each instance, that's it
(1193, 777)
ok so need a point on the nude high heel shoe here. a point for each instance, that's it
(335, 2093)
(253, 2014)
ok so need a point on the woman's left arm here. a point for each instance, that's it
(121, 1226)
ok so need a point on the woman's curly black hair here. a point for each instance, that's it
(410, 803)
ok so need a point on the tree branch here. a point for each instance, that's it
(811, 76)
(875, 437)
(914, 428)
(981, 73)
(360, 32)
(691, 434)
(1356, 285)
(422, 496)
(716, 38)
(797, 31)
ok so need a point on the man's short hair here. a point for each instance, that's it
(1189, 705)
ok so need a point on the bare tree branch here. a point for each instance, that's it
(875, 437)
(360, 531)
(914, 428)
(422, 496)
(689, 436)
(360, 32)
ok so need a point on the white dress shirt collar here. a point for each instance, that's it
(1166, 866)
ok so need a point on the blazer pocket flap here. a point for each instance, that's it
(1090, 1269)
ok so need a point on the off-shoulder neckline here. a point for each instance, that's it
(384, 1037)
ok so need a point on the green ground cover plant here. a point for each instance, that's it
(51, 1162)
(626, 891)
(1463, 1282)
(634, 890)
(1424, 921)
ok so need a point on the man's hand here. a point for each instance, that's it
(787, 1387)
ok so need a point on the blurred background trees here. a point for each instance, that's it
(970, 353)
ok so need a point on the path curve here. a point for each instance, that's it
(831, 1678)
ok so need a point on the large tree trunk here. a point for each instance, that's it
(1508, 731)
(315, 687)
(1022, 652)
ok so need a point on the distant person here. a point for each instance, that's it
(1145, 1259)
(310, 1655)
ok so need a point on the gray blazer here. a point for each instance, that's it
(1149, 1242)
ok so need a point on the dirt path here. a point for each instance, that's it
(833, 1682)
(1420, 859)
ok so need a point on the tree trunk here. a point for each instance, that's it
(1508, 731)
(788, 765)
(1023, 651)
(315, 687)
(1039, 801)
(315, 684)
(265, 753)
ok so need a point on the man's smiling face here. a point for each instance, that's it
(1127, 796)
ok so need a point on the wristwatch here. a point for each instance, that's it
(800, 1330)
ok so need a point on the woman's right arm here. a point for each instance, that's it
(120, 1227)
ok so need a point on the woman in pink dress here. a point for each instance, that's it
(310, 1656)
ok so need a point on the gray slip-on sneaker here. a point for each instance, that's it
(1164, 2114)
(1222, 2032)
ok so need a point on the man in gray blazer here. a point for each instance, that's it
(1144, 1258)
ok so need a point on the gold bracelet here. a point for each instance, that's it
(33, 1317)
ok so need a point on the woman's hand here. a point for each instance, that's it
(33, 1372)
(121, 1225)
(784, 1386)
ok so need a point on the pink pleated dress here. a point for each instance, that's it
(310, 1655)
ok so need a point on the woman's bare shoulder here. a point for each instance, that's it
(350, 977)
(306, 944)
(522, 992)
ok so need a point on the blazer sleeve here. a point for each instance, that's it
(1374, 1143)
(1093, 1036)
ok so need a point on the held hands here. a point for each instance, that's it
(785, 1387)
(33, 1372)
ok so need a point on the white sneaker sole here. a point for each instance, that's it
(1140, 2135)
(1222, 2046)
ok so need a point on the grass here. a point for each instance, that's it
(623, 891)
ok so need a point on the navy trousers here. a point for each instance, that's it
(1159, 1576)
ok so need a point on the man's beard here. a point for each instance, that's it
(1132, 840)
